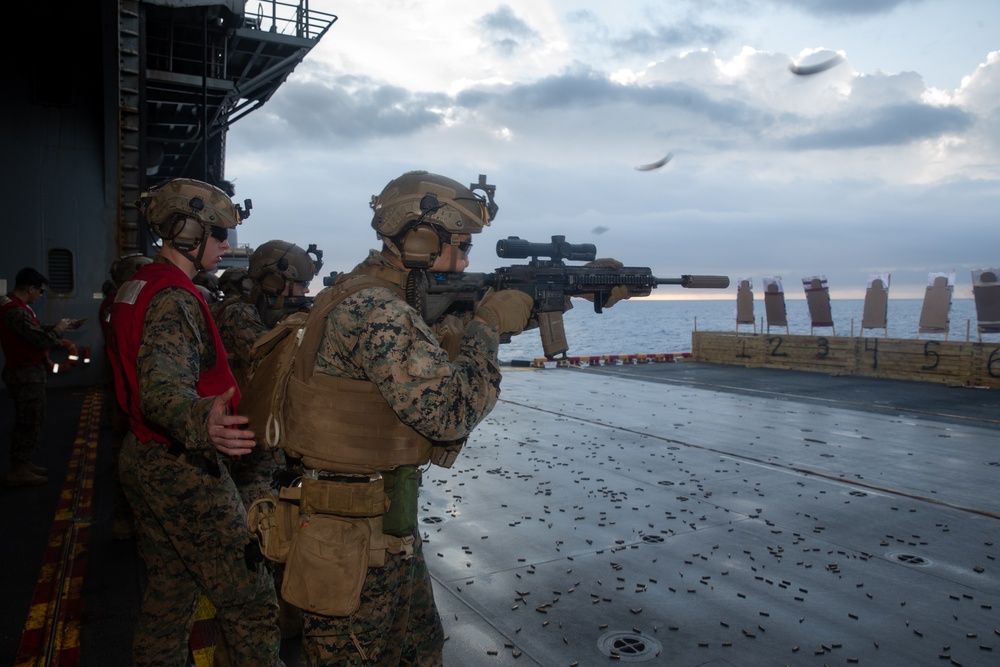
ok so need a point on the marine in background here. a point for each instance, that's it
(235, 283)
(278, 278)
(174, 383)
(279, 274)
(208, 284)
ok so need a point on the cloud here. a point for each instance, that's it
(842, 173)
(826, 8)
(506, 32)
(893, 125)
(659, 39)
(346, 109)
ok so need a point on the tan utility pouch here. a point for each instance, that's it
(379, 544)
(345, 495)
(445, 455)
(273, 522)
(327, 564)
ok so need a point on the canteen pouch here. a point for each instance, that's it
(273, 522)
(402, 486)
(326, 565)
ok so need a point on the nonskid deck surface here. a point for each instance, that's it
(682, 514)
(596, 518)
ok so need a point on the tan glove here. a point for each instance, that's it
(506, 311)
(449, 332)
(618, 292)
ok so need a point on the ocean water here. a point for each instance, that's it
(660, 326)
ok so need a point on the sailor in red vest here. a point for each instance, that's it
(25, 347)
(173, 381)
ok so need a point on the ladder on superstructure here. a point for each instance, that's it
(129, 144)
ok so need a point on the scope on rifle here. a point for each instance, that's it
(516, 248)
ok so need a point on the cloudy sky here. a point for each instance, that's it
(888, 162)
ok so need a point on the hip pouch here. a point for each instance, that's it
(273, 522)
(402, 486)
(326, 565)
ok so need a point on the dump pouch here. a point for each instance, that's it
(402, 486)
(327, 564)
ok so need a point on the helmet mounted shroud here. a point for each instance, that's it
(418, 213)
(183, 212)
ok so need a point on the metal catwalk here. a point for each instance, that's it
(676, 513)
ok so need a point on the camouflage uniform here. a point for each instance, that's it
(240, 326)
(26, 384)
(190, 519)
(375, 335)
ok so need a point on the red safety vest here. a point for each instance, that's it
(127, 316)
(18, 352)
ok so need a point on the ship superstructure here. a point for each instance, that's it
(122, 95)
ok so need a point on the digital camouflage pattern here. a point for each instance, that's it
(192, 533)
(29, 415)
(176, 348)
(240, 326)
(21, 321)
(191, 523)
(26, 384)
(397, 623)
(375, 335)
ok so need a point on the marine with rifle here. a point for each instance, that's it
(392, 369)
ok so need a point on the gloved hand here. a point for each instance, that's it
(506, 311)
(618, 292)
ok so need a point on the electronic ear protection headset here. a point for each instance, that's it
(185, 233)
(421, 243)
(274, 283)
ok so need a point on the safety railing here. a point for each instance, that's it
(288, 18)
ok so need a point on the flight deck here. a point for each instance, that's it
(674, 513)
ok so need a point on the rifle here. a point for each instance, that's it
(550, 282)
